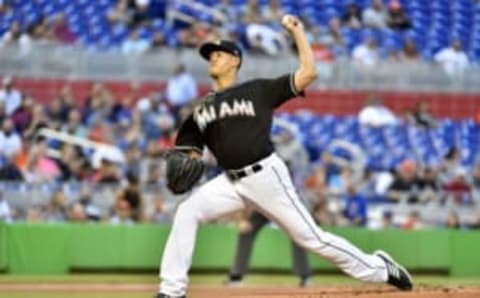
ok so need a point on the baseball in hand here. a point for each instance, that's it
(289, 21)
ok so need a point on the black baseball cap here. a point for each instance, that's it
(221, 45)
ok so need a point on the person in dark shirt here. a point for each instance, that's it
(405, 185)
(9, 171)
(397, 19)
(422, 115)
(428, 185)
(353, 17)
(234, 123)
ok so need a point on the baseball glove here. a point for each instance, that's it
(183, 171)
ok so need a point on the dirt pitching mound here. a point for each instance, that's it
(362, 291)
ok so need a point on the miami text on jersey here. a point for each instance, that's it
(205, 114)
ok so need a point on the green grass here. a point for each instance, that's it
(196, 279)
(213, 279)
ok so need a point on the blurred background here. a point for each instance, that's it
(93, 92)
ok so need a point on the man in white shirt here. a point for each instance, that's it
(366, 54)
(181, 88)
(10, 97)
(10, 141)
(453, 59)
(134, 45)
(375, 114)
(375, 16)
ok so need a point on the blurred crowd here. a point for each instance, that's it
(124, 181)
(100, 140)
(257, 28)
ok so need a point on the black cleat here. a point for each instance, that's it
(160, 295)
(398, 276)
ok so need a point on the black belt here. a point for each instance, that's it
(242, 173)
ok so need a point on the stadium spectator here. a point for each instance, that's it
(459, 190)
(43, 31)
(413, 221)
(293, 152)
(134, 45)
(476, 183)
(55, 112)
(9, 171)
(22, 116)
(453, 221)
(252, 13)
(428, 186)
(141, 14)
(94, 103)
(181, 88)
(119, 13)
(453, 60)
(476, 223)
(92, 212)
(62, 31)
(405, 185)
(375, 16)
(160, 213)
(352, 17)
(39, 120)
(132, 194)
(57, 208)
(10, 140)
(40, 168)
(4, 7)
(3, 114)
(34, 215)
(64, 162)
(196, 34)
(230, 11)
(154, 177)
(332, 36)
(74, 125)
(273, 12)
(76, 213)
(100, 131)
(158, 41)
(450, 166)
(321, 213)
(366, 55)
(409, 52)
(387, 220)
(376, 114)
(397, 18)
(422, 115)
(355, 211)
(9, 96)
(122, 213)
(133, 159)
(108, 172)
(6, 213)
(67, 99)
(12, 36)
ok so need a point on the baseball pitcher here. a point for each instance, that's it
(234, 122)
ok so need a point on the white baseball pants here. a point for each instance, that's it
(271, 192)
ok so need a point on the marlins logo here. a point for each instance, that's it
(207, 113)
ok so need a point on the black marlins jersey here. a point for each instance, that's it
(235, 123)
